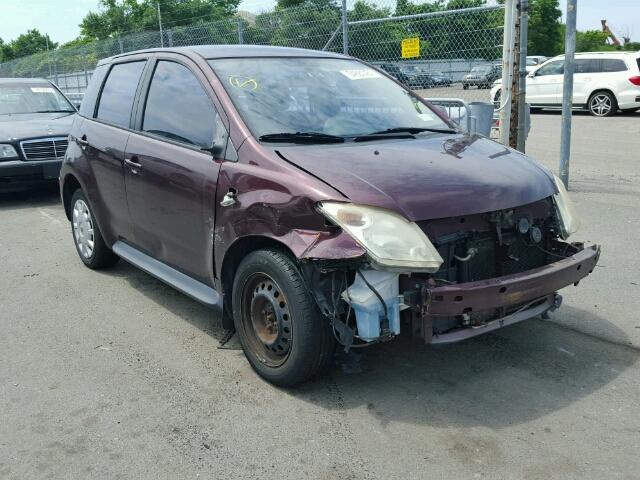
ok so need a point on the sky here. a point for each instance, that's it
(60, 18)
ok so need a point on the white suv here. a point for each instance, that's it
(603, 83)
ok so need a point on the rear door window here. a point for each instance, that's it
(88, 105)
(178, 108)
(613, 65)
(116, 100)
(587, 65)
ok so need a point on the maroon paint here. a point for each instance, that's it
(278, 187)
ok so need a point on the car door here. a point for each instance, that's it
(544, 86)
(103, 137)
(583, 76)
(172, 164)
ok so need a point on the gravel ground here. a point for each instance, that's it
(114, 375)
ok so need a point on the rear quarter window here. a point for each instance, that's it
(116, 99)
(88, 105)
(613, 65)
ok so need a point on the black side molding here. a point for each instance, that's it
(163, 272)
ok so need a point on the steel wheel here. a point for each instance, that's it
(601, 104)
(83, 228)
(266, 319)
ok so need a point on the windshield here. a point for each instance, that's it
(481, 69)
(32, 98)
(321, 95)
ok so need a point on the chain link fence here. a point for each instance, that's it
(427, 46)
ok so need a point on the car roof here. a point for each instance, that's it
(234, 51)
(23, 80)
(619, 54)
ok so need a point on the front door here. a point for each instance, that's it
(544, 86)
(171, 170)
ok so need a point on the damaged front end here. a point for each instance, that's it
(494, 269)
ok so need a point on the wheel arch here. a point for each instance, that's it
(69, 185)
(602, 89)
(238, 250)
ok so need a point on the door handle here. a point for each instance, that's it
(133, 165)
(229, 199)
(82, 141)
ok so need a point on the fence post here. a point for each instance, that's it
(240, 32)
(169, 37)
(345, 29)
(522, 81)
(120, 44)
(567, 91)
(507, 71)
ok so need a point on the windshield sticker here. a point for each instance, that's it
(360, 74)
(42, 89)
(427, 117)
(244, 83)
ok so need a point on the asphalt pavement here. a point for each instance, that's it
(112, 374)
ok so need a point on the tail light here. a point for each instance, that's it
(635, 80)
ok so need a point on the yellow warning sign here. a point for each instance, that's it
(410, 47)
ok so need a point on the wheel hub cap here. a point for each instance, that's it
(83, 228)
(601, 105)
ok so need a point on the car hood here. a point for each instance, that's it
(428, 177)
(33, 125)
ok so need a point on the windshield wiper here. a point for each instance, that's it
(54, 111)
(410, 130)
(301, 137)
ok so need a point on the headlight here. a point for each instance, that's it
(569, 221)
(390, 239)
(7, 151)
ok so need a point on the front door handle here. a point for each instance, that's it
(82, 141)
(229, 199)
(133, 165)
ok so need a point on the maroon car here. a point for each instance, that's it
(312, 199)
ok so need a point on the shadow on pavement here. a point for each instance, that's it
(43, 195)
(516, 374)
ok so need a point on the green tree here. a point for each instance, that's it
(545, 29)
(26, 44)
(122, 16)
(592, 41)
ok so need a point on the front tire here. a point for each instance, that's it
(90, 245)
(602, 104)
(283, 334)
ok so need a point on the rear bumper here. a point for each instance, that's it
(532, 292)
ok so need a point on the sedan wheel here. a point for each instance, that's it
(602, 104)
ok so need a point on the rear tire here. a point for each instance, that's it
(602, 104)
(90, 245)
(465, 87)
(282, 332)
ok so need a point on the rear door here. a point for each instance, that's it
(103, 137)
(583, 79)
(545, 84)
(172, 165)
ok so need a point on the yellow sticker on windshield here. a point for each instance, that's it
(245, 83)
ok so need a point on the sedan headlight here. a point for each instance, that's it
(7, 152)
(569, 221)
(390, 240)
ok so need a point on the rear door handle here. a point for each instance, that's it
(133, 165)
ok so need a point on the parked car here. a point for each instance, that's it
(482, 76)
(313, 200)
(415, 76)
(35, 118)
(534, 61)
(603, 83)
